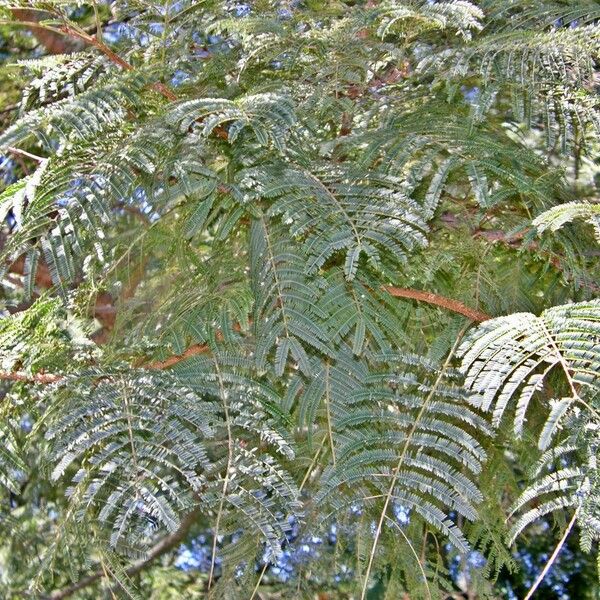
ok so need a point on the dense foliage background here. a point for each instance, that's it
(299, 299)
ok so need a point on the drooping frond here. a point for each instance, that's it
(134, 449)
(513, 359)
(28, 339)
(426, 145)
(549, 72)
(337, 209)
(255, 488)
(459, 16)
(142, 451)
(557, 216)
(267, 115)
(12, 466)
(510, 358)
(286, 313)
(397, 424)
(60, 76)
(563, 478)
(359, 314)
(79, 118)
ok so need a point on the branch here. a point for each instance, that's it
(37, 378)
(92, 40)
(47, 378)
(437, 300)
(177, 358)
(164, 545)
(428, 297)
(26, 154)
(53, 40)
(9, 108)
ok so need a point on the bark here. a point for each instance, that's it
(53, 42)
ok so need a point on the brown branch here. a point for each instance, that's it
(19, 152)
(37, 378)
(92, 40)
(177, 358)
(164, 545)
(428, 297)
(48, 378)
(53, 40)
(441, 301)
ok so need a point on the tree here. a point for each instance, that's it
(251, 264)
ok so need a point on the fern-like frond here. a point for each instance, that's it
(79, 118)
(268, 116)
(338, 209)
(60, 76)
(286, 313)
(558, 216)
(139, 448)
(381, 420)
(12, 467)
(511, 358)
(461, 16)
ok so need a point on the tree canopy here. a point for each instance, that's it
(299, 298)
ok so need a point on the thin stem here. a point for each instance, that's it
(329, 428)
(106, 575)
(33, 25)
(20, 152)
(396, 471)
(260, 578)
(130, 429)
(223, 395)
(312, 464)
(412, 549)
(554, 555)
(97, 21)
(280, 294)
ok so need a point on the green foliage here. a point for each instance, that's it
(554, 218)
(236, 261)
(515, 358)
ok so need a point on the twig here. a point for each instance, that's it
(552, 558)
(442, 301)
(20, 152)
(72, 30)
(173, 360)
(412, 549)
(223, 396)
(260, 578)
(93, 40)
(164, 545)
